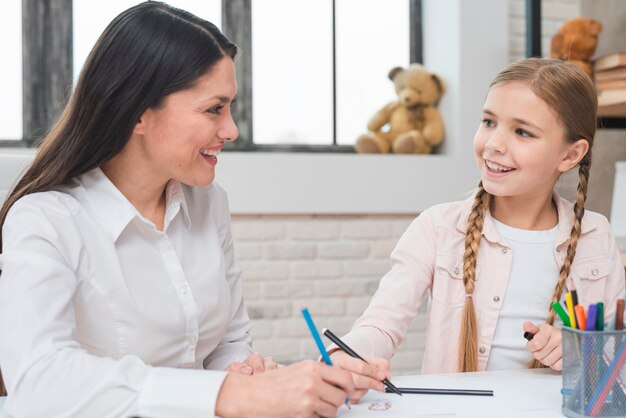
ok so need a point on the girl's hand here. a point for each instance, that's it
(546, 345)
(254, 363)
(303, 390)
(365, 376)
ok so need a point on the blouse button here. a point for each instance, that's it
(183, 290)
(457, 270)
(496, 298)
(594, 272)
(504, 251)
(482, 350)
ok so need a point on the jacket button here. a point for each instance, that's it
(504, 251)
(482, 350)
(496, 298)
(457, 270)
(594, 272)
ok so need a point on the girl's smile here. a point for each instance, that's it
(497, 170)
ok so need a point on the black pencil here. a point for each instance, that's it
(352, 353)
(426, 391)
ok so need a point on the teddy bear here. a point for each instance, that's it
(576, 41)
(414, 124)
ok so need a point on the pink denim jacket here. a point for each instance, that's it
(428, 258)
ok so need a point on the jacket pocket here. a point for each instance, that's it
(589, 277)
(448, 287)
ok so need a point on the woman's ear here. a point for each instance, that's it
(574, 153)
(145, 120)
(139, 128)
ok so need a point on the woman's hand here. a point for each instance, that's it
(302, 390)
(546, 345)
(364, 375)
(254, 363)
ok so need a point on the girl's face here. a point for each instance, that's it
(181, 138)
(520, 145)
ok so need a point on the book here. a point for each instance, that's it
(616, 111)
(615, 73)
(609, 61)
(603, 85)
(612, 102)
(612, 97)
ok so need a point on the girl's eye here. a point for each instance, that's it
(523, 133)
(216, 110)
(488, 123)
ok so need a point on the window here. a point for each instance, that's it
(91, 18)
(337, 52)
(368, 47)
(11, 79)
(319, 68)
(292, 72)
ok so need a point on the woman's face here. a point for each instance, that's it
(182, 138)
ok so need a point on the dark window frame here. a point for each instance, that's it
(533, 49)
(46, 67)
(47, 71)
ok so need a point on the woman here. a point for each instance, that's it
(119, 284)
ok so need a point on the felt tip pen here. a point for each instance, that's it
(581, 319)
(592, 313)
(574, 298)
(600, 316)
(561, 313)
(619, 315)
(570, 309)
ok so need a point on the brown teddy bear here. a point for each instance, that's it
(576, 41)
(414, 124)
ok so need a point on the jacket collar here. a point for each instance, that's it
(565, 211)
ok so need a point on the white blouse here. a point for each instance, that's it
(102, 315)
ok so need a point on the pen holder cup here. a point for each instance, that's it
(594, 373)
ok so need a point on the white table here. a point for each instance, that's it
(517, 393)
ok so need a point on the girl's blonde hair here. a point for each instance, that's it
(570, 93)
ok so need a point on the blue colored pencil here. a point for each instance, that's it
(316, 336)
(318, 341)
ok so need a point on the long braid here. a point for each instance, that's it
(579, 211)
(468, 338)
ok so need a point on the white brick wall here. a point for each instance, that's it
(553, 13)
(332, 264)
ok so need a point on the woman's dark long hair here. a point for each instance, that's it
(146, 53)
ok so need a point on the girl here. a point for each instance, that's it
(492, 265)
(119, 284)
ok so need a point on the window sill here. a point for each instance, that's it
(322, 183)
(303, 183)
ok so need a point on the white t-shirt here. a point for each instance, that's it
(534, 274)
(103, 315)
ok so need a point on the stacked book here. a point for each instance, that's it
(610, 78)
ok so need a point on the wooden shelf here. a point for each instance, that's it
(611, 122)
(613, 118)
